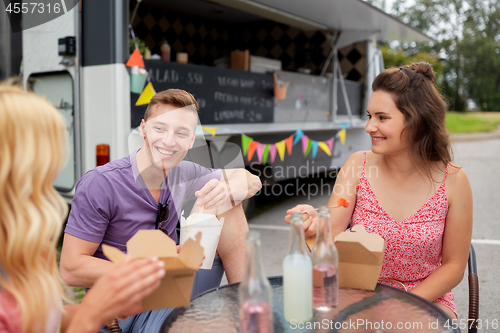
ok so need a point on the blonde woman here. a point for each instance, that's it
(32, 150)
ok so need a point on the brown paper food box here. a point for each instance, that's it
(361, 255)
(177, 284)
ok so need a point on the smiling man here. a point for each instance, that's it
(146, 190)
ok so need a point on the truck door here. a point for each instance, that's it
(58, 88)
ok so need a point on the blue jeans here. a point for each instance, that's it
(151, 321)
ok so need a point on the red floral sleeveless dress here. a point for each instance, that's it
(414, 245)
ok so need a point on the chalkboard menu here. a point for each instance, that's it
(225, 96)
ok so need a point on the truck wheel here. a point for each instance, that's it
(248, 206)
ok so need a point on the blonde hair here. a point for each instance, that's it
(33, 147)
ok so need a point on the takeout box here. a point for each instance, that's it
(210, 228)
(177, 284)
(361, 255)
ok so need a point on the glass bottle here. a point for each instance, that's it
(255, 296)
(325, 261)
(165, 51)
(297, 275)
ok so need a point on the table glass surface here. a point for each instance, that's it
(386, 309)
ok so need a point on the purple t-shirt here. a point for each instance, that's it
(111, 203)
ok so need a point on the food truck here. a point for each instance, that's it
(282, 84)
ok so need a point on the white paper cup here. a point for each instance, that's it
(210, 228)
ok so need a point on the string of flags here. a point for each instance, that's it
(268, 150)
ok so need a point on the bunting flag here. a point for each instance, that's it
(260, 151)
(135, 59)
(329, 142)
(272, 151)
(265, 153)
(210, 130)
(251, 149)
(323, 146)
(245, 142)
(289, 143)
(297, 136)
(342, 136)
(280, 146)
(314, 148)
(146, 95)
(305, 142)
(308, 149)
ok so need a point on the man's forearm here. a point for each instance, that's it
(231, 248)
(241, 184)
(84, 270)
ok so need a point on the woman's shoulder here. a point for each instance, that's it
(10, 317)
(357, 158)
(457, 182)
(456, 175)
(458, 193)
(353, 166)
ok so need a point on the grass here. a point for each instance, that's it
(472, 122)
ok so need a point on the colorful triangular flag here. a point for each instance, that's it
(342, 136)
(298, 135)
(329, 142)
(314, 148)
(135, 59)
(305, 142)
(260, 150)
(324, 146)
(308, 149)
(272, 152)
(211, 130)
(245, 142)
(251, 149)
(280, 146)
(265, 153)
(289, 143)
(146, 95)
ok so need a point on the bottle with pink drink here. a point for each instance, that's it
(325, 260)
(255, 295)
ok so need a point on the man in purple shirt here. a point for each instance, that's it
(114, 201)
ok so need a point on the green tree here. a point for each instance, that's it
(480, 47)
(442, 20)
(468, 35)
(394, 57)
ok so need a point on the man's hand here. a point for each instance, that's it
(214, 194)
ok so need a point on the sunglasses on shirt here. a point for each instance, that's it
(162, 216)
